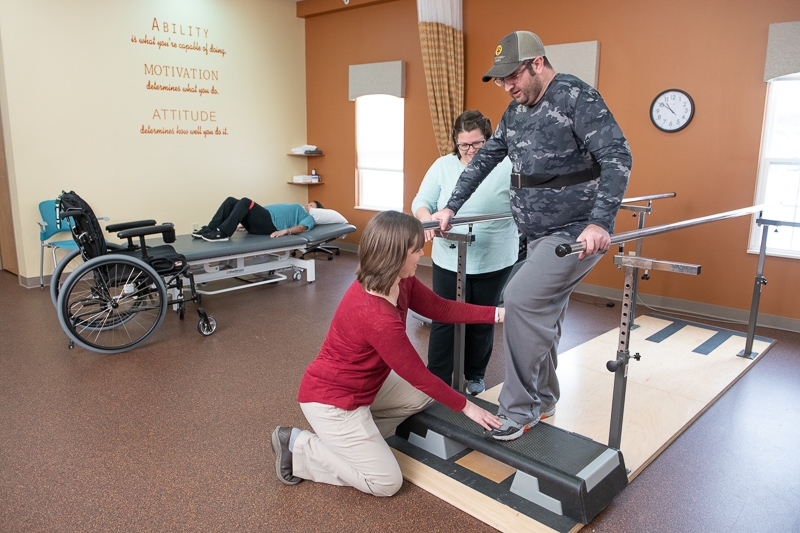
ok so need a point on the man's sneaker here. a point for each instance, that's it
(199, 233)
(283, 457)
(510, 430)
(475, 386)
(214, 236)
(547, 414)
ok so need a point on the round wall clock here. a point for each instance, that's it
(672, 110)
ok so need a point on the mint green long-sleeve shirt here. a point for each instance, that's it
(496, 243)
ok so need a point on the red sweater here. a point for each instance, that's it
(367, 339)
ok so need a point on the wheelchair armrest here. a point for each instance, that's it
(167, 231)
(111, 228)
(141, 231)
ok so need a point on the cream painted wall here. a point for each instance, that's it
(74, 99)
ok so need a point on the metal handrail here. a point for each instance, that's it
(563, 250)
(651, 197)
(760, 282)
(460, 221)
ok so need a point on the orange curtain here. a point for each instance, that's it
(443, 59)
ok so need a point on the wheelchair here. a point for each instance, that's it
(109, 297)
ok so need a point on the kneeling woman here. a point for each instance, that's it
(368, 377)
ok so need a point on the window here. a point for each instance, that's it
(779, 168)
(379, 151)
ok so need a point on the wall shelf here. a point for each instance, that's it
(306, 182)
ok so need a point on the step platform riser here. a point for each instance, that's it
(562, 472)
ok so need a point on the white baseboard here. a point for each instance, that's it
(348, 246)
(714, 312)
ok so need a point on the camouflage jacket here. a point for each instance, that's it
(566, 131)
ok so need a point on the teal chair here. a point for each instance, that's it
(49, 228)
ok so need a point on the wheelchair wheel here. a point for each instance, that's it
(112, 303)
(206, 326)
(62, 271)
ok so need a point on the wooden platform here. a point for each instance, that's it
(684, 369)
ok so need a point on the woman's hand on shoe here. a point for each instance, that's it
(483, 417)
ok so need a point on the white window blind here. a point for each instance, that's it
(783, 50)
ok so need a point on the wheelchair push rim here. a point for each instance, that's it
(112, 303)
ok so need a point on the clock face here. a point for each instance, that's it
(672, 110)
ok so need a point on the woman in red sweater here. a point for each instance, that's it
(368, 377)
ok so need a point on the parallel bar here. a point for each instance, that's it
(460, 330)
(647, 198)
(563, 250)
(642, 211)
(460, 221)
(623, 357)
(637, 208)
(656, 264)
(759, 283)
(464, 240)
(764, 221)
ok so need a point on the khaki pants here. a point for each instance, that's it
(348, 448)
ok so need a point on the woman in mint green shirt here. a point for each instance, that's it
(489, 258)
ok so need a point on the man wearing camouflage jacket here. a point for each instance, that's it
(571, 164)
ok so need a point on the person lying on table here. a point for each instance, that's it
(368, 377)
(274, 220)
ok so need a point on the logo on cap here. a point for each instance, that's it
(498, 50)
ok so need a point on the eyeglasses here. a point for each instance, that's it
(500, 82)
(466, 146)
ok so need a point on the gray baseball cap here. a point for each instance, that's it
(513, 50)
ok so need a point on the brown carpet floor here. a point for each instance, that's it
(174, 436)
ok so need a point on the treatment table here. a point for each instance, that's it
(247, 254)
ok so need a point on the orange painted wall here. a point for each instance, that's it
(713, 49)
(384, 32)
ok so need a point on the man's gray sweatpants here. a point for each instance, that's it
(536, 301)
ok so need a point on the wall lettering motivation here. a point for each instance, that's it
(181, 75)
